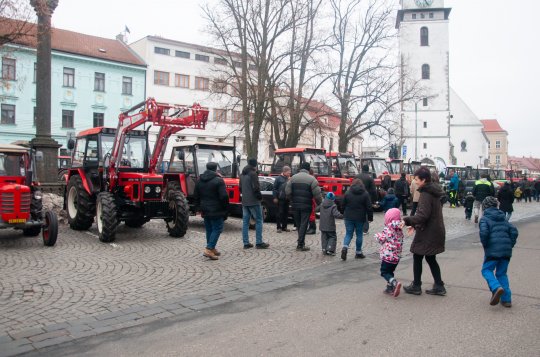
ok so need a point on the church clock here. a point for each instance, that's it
(423, 3)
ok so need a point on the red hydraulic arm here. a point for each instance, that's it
(152, 112)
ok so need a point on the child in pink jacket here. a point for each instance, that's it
(391, 240)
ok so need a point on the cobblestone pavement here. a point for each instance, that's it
(82, 287)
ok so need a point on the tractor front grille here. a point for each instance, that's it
(7, 202)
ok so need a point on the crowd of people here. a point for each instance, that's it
(426, 222)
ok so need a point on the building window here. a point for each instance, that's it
(127, 85)
(222, 61)
(425, 102)
(99, 119)
(463, 146)
(425, 71)
(424, 36)
(161, 78)
(35, 71)
(8, 114)
(9, 67)
(220, 86)
(425, 145)
(425, 124)
(202, 83)
(237, 117)
(162, 51)
(497, 144)
(202, 58)
(414, 16)
(99, 82)
(67, 118)
(182, 54)
(69, 77)
(220, 115)
(181, 80)
(422, 16)
(430, 15)
(498, 159)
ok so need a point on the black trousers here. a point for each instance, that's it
(403, 203)
(328, 241)
(414, 207)
(301, 219)
(283, 214)
(433, 266)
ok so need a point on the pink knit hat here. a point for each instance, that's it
(393, 214)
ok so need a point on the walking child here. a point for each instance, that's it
(469, 204)
(327, 224)
(498, 237)
(391, 241)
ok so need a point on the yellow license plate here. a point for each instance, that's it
(17, 220)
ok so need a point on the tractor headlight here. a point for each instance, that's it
(38, 195)
(158, 189)
(147, 189)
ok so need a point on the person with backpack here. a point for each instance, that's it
(401, 187)
(280, 199)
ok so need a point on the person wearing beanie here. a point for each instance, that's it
(389, 201)
(327, 224)
(369, 183)
(302, 189)
(391, 241)
(402, 192)
(251, 205)
(212, 200)
(498, 237)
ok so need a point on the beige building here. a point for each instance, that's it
(498, 143)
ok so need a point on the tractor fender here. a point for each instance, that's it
(180, 178)
(87, 184)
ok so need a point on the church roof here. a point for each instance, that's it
(492, 126)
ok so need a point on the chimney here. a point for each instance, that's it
(120, 37)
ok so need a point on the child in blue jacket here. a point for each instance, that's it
(389, 201)
(498, 237)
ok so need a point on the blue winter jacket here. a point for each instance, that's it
(389, 201)
(497, 235)
(454, 182)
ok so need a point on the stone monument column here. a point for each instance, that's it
(48, 167)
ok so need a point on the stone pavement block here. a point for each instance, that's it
(79, 328)
(110, 315)
(180, 311)
(213, 297)
(26, 333)
(52, 341)
(5, 338)
(191, 302)
(81, 334)
(164, 315)
(134, 309)
(102, 323)
(129, 317)
(60, 326)
(48, 335)
(151, 311)
(14, 350)
(105, 329)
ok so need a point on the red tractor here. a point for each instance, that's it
(21, 204)
(113, 173)
(342, 164)
(188, 161)
(294, 157)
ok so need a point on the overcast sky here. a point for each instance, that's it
(494, 50)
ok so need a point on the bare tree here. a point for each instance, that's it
(14, 20)
(368, 84)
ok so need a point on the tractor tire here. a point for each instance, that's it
(50, 229)
(80, 206)
(172, 187)
(179, 211)
(36, 207)
(135, 223)
(106, 217)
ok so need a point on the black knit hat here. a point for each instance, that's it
(489, 202)
(252, 162)
(212, 166)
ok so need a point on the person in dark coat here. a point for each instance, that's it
(212, 200)
(357, 211)
(302, 189)
(468, 203)
(251, 205)
(498, 237)
(429, 239)
(506, 200)
(401, 187)
(482, 188)
(389, 201)
(537, 189)
(386, 182)
(369, 183)
(327, 224)
(281, 200)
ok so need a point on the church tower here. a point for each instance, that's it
(424, 51)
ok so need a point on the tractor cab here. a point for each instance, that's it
(188, 161)
(342, 164)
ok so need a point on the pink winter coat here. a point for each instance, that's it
(391, 241)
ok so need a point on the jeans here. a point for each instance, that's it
(247, 213)
(499, 279)
(283, 214)
(350, 227)
(433, 266)
(328, 241)
(301, 218)
(214, 227)
(387, 270)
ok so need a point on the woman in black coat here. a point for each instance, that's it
(506, 200)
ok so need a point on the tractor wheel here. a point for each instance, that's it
(80, 205)
(172, 187)
(106, 217)
(50, 229)
(135, 223)
(179, 211)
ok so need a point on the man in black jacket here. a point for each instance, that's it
(369, 183)
(281, 200)
(212, 200)
(251, 205)
(401, 187)
(301, 189)
(482, 189)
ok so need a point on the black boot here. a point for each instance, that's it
(438, 289)
(413, 289)
(312, 228)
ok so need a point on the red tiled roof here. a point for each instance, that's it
(77, 43)
(492, 126)
(531, 163)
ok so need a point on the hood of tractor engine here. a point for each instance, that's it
(15, 202)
